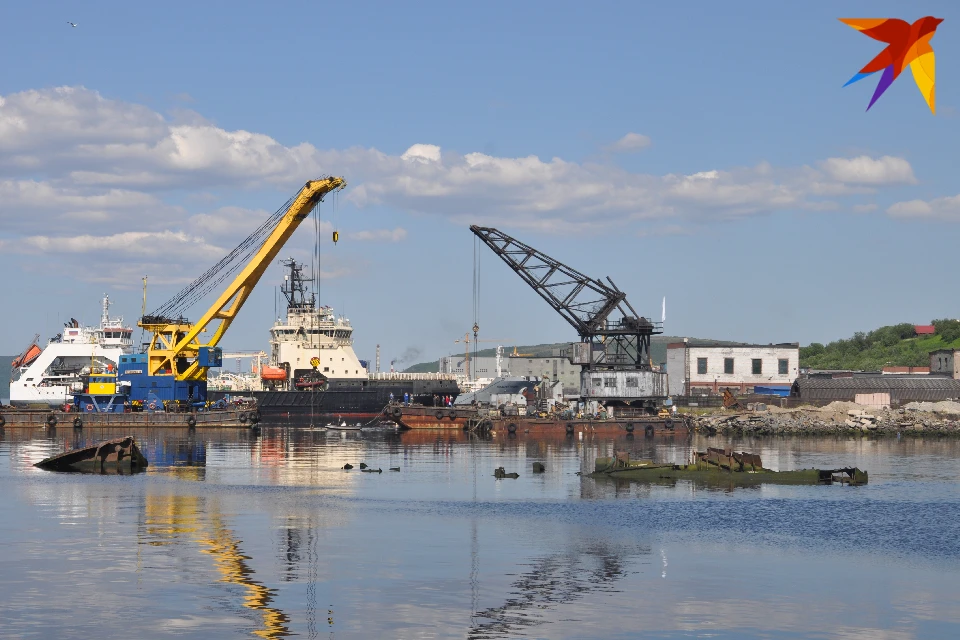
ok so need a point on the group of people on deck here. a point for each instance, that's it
(438, 401)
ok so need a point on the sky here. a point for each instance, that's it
(704, 152)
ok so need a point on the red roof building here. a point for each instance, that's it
(924, 329)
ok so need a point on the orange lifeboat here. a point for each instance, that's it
(28, 356)
(273, 373)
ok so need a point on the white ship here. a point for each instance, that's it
(311, 345)
(48, 377)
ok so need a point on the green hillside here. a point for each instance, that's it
(895, 345)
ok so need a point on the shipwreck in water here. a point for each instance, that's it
(720, 467)
(119, 456)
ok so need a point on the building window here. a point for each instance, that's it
(701, 365)
(596, 382)
(610, 382)
(728, 365)
(783, 366)
(632, 382)
(757, 366)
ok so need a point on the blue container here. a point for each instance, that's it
(783, 392)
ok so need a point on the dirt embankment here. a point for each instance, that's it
(837, 418)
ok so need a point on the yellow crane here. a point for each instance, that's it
(175, 348)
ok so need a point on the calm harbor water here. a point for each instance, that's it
(231, 534)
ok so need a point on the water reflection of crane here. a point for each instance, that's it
(170, 517)
(553, 580)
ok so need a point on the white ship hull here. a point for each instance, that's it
(33, 387)
(48, 379)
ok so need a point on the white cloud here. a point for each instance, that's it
(168, 244)
(69, 155)
(630, 142)
(864, 208)
(870, 171)
(422, 153)
(947, 208)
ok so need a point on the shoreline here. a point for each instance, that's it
(838, 418)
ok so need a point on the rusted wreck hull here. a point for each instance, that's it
(719, 467)
(118, 456)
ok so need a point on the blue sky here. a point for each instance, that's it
(755, 194)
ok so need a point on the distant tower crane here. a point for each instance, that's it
(614, 347)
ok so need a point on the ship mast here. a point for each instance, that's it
(294, 287)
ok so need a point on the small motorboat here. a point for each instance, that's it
(343, 426)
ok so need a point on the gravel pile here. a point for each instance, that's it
(946, 406)
(839, 420)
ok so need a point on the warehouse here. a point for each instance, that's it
(701, 367)
(902, 388)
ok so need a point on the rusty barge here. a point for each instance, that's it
(475, 419)
(11, 417)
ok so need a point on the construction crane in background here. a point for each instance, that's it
(614, 346)
(175, 349)
(240, 355)
(466, 350)
(520, 355)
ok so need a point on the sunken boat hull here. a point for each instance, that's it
(119, 456)
(721, 468)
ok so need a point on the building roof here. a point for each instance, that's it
(904, 387)
(724, 344)
(924, 329)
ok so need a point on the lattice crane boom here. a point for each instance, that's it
(582, 301)
(588, 304)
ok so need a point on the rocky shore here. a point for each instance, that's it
(837, 418)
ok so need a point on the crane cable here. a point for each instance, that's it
(476, 299)
(227, 266)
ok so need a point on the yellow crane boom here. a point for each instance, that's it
(175, 346)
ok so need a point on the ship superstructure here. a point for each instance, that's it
(311, 345)
(51, 377)
(314, 371)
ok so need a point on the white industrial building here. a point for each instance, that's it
(480, 367)
(694, 367)
(945, 362)
(553, 368)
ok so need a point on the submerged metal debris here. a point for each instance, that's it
(120, 456)
(723, 467)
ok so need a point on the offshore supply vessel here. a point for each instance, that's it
(313, 369)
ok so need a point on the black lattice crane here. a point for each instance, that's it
(612, 334)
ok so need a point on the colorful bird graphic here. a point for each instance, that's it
(906, 44)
